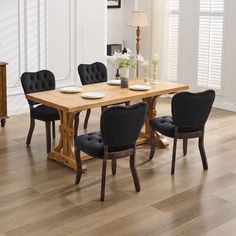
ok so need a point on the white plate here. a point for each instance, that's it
(92, 95)
(72, 89)
(114, 82)
(140, 87)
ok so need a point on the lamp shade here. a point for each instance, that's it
(138, 19)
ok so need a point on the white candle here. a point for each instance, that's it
(145, 65)
(155, 59)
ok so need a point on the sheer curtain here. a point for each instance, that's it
(160, 36)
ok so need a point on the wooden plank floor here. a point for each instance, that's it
(38, 197)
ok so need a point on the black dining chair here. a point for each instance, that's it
(190, 112)
(91, 74)
(120, 128)
(40, 81)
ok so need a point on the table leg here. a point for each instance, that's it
(151, 113)
(64, 151)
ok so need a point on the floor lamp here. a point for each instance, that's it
(138, 19)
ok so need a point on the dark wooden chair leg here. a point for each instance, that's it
(134, 173)
(113, 166)
(104, 166)
(76, 125)
(174, 155)
(3, 122)
(202, 152)
(185, 146)
(87, 118)
(78, 166)
(53, 130)
(31, 129)
(152, 144)
(48, 135)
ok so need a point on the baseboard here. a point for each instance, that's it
(18, 111)
(225, 105)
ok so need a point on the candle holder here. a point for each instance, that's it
(146, 76)
(155, 59)
(154, 76)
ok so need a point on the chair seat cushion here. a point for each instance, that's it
(166, 126)
(163, 124)
(44, 113)
(92, 144)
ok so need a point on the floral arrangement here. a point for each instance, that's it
(126, 60)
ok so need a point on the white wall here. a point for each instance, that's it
(229, 96)
(226, 100)
(77, 33)
(118, 29)
(91, 31)
(115, 31)
(51, 34)
(115, 24)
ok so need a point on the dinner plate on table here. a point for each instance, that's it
(140, 87)
(114, 82)
(72, 89)
(92, 95)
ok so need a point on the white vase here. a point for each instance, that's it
(124, 72)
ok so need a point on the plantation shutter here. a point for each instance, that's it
(210, 43)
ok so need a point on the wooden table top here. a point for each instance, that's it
(113, 95)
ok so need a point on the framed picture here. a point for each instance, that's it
(113, 3)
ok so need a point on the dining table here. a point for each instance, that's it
(70, 104)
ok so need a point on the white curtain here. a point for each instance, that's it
(160, 35)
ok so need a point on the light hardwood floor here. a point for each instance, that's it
(38, 196)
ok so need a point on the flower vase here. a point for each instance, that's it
(124, 77)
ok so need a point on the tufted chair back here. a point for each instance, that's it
(92, 73)
(39, 81)
(191, 110)
(121, 125)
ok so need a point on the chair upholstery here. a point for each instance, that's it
(40, 81)
(93, 145)
(164, 124)
(192, 109)
(190, 112)
(120, 128)
(92, 73)
(44, 113)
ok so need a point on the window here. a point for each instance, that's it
(173, 44)
(210, 43)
